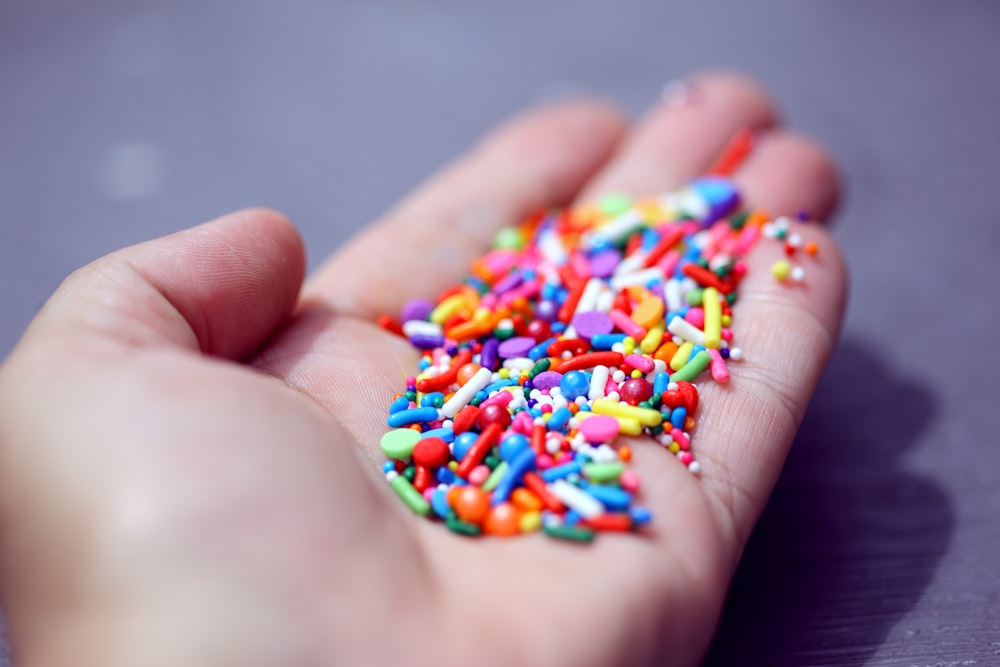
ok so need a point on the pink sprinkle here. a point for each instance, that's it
(479, 475)
(544, 461)
(523, 423)
(727, 334)
(687, 458)
(747, 238)
(428, 492)
(564, 457)
(720, 372)
(669, 262)
(641, 362)
(681, 439)
(600, 428)
(546, 408)
(627, 325)
(580, 265)
(696, 316)
(629, 480)
(499, 398)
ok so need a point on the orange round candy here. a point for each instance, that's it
(502, 520)
(471, 504)
(466, 372)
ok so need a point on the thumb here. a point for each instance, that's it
(220, 288)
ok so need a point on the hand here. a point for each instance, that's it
(189, 469)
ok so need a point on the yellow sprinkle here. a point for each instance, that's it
(530, 522)
(447, 308)
(674, 447)
(645, 416)
(781, 269)
(713, 317)
(681, 356)
(637, 373)
(653, 339)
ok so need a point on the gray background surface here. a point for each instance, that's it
(121, 121)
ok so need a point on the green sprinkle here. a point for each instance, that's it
(399, 443)
(456, 525)
(540, 366)
(413, 498)
(737, 221)
(503, 334)
(615, 204)
(491, 461)
(509, 238)
(693, 367)
(571, 533)
(694, 297)
(409, 473)
(603, 472)
(495, 476)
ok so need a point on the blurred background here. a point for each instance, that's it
(121, 121)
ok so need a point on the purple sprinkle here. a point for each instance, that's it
(416, 309)
(426, 342)
(603, 264)
(546, 380)
(547, 310)
(488, 355)
(589, 324)
(508, 283)
(519, 346)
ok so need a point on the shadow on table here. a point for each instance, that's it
(850, 539)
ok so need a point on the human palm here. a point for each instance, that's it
(189, 444)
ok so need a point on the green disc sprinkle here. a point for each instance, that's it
(413, 498)
(399, 443)
(603, 472)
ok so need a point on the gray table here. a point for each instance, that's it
(119, 122)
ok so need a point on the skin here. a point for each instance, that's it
(189, 436)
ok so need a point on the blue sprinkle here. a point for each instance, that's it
(399, 404)
(677, 417)
(412, 416)
(445, 433)
(562, 471)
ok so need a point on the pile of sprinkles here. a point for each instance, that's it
(580, 325)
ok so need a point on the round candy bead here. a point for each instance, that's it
(494, 414)
(635, 391)
(470, 503)
(513, 445)
(399, 443)
(502, 520)
(463, 442)
(539, 330)
(466, 371)
(573, 384)
(431, 453)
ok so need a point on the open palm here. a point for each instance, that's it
(189, 461)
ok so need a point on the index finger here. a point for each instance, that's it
(540, 158)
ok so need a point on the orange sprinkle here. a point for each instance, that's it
(502, 520)
(812, 248)
(625, 453)
(526, 500)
